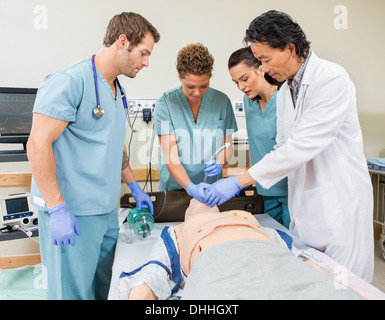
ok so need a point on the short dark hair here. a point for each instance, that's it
(278, 30)
(132, 25)
(246, 56)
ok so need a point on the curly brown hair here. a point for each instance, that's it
(194, 59)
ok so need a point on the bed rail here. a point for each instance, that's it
(378, 182)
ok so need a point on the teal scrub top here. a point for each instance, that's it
(262, 132)
(196, 141)
(89, 152)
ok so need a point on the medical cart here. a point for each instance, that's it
(378, 181)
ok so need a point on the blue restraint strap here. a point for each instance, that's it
(127, 274)
(175, 273)
(174, 258)
(285, 237)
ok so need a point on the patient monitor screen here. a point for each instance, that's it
(16, 113)
(16, 205)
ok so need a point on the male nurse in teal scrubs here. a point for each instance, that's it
(76, 160)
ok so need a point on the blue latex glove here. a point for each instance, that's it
(213, 168)
(197, 191)
(63, 226)
(142, 199)
(222, 191)
(242, 192)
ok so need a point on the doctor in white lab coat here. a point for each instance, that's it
(319, 147)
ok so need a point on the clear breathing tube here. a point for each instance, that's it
(226, 145)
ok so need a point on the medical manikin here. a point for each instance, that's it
(226, 255)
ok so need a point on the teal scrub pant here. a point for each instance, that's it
(277, 208)
(83, 271)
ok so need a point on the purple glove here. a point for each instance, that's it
(222, 191)
(197, 191)
(142, 199)
(63, 226)
(213, 168)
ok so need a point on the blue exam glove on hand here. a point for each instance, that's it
(142, 199)
(222, 191)
(197, 191)
(63, 226)
(213, 168)
(242, 192)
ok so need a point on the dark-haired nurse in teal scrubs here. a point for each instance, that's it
(260, 111)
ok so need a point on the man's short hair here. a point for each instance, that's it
(132, 25)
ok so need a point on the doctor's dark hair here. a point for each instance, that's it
(245, 55)
(132, 25)
(278, 29)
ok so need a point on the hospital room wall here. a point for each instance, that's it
(39, 36)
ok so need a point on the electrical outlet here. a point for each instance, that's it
(131, 104)
(136, 106)
(238, 107)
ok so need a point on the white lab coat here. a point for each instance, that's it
(320, 149)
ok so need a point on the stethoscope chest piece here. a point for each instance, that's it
(98, 112)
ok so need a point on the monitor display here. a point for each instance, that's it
(16, 105)
(16, 205)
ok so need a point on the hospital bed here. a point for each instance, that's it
(378, 182)
(169, 209)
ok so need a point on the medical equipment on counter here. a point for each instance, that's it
(226, 145)
(98, 111)
(16, 105)
(16, 210)
(140, 222)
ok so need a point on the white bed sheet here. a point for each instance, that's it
(129, 256)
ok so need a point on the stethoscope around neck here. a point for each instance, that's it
(98, 111)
